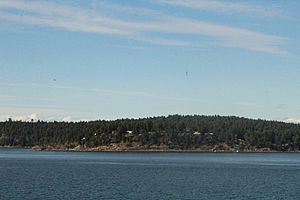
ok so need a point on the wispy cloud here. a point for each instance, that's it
(67, 119)
(47, 113)
(105, 92)
(225, 7)
(35, 117)
(91, 20)
(15, 98)
(30, 117)
(291, 120)
(163, 41)
(8, 97)
(124, 9)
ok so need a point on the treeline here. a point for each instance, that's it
(174, 132)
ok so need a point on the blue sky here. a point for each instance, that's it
(88, 59)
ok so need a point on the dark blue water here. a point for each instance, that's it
(26, 174)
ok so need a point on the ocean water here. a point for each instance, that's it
(26, 174)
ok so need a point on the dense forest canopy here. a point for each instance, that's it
(174, 132)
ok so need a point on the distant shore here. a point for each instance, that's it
(174, 133)
(122, 148)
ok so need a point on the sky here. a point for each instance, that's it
(98, 59)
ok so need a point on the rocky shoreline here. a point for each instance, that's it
(124, 148)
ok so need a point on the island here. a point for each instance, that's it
(179, 133)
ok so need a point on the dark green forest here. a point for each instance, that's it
(172, 132)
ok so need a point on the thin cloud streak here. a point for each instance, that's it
(224, 7)
(167, 42)
(122, 93)
(8, 97)
(92, 21)
(107, 92)
(131, 10)
(16, 98)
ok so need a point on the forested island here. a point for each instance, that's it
(171, 133)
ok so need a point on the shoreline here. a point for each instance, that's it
(113, 149)
(148, 150)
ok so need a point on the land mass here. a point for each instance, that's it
(173, 133)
